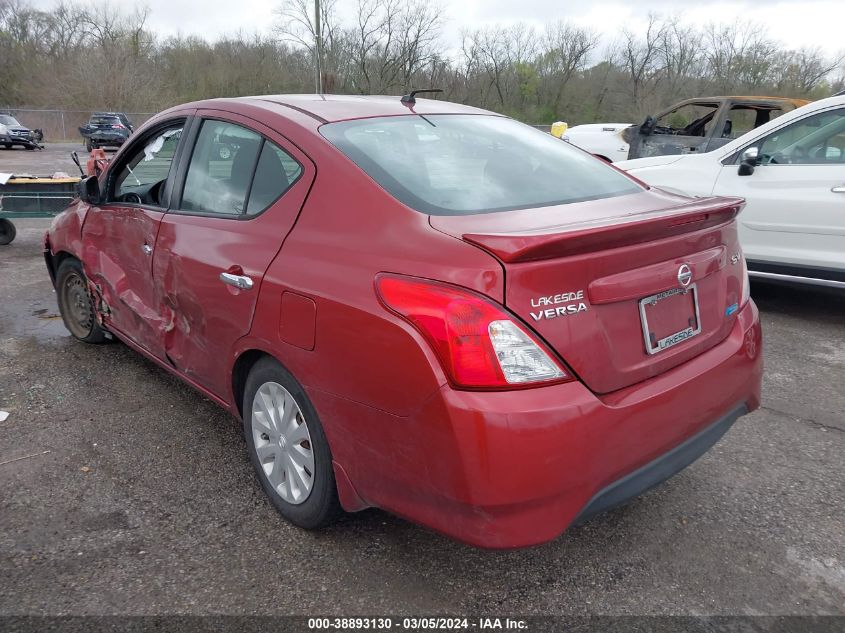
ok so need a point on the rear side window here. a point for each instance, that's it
(275, 173)
(468, 164)
(235, 171)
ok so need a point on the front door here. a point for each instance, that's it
(119, 235)
(241, 193)
(796, 196)
(684, 130)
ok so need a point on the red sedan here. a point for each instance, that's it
(418, 306)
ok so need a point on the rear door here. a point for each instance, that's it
(119, 235)
(795, 213)
(242, 189)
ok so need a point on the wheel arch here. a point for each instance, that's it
(53, 262)
(243, 364)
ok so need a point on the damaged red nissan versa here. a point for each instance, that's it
(418, 306)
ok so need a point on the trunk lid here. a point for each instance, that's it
(601, 281)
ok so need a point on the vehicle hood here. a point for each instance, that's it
(651, 161)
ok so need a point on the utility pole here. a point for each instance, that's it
(318, 47)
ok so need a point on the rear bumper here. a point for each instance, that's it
(513, 469)
(107, 139)
(659, 470)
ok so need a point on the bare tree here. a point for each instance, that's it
(641, 59)
(566, 52)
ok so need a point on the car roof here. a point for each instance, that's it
(328, 108)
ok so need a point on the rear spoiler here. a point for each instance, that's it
(585, 237)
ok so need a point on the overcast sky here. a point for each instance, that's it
(795, 23)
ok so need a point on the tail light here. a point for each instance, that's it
(479, 344)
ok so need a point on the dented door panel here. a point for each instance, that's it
(118, 243)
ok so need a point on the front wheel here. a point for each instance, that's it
(7, 232)
(75, 303)
(288, 448)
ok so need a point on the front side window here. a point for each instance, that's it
(815, 140)
(692, 119)
(142, 176)
(465, 164)
(225, 160)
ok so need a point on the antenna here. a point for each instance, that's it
(410, 97)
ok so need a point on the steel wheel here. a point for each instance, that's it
(77, 302)
(283, 443)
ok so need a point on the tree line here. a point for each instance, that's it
(79, 56)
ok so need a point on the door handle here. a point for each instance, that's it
(238, 281)
(147, 249)
(838, 189)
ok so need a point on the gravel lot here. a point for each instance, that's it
(146, 503)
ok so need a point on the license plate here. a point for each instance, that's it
(669, 318)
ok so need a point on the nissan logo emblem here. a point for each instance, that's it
(684, 275)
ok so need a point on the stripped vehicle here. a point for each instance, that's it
(693, 126)
(418, 306)
(12, 133)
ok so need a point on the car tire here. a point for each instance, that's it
(7, 232)
(285, 441)
(88, 145)
(76, 305)
(7, 145)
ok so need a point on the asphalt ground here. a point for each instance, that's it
(130, 493)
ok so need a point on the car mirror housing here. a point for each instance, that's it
(89, 190)
(748, 161)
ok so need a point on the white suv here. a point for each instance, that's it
(791, 172)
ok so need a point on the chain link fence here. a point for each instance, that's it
(63, 125)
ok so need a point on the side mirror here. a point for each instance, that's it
(89, 190)
(748, 161)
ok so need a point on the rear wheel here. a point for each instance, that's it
(288, 448)
(88, 144)
(7, 232)
(75, 303)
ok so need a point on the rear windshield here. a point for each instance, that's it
(105, 120)
(465, 164)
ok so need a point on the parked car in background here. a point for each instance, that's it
(791, 173)
(419, 306)
(693, 126)
(12, 133)
(106, 129)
